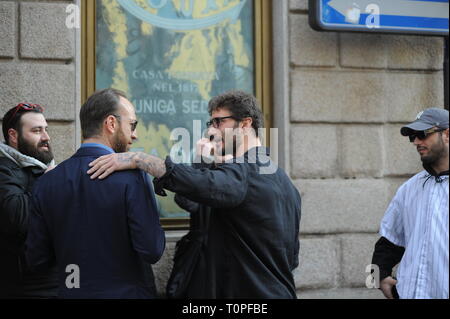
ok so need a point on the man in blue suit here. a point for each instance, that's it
(102, 234)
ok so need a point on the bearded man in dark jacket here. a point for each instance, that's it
(24, 156)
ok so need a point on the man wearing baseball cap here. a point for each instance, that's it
(414, 229)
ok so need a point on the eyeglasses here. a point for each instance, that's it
(215, 121)
(133, 124)
(421, 135)
(25, 107)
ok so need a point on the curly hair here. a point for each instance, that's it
(241, 105)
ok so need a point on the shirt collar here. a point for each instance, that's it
(432, 172)
(109, 149)
(439, 178)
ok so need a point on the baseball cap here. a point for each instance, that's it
(432, 117)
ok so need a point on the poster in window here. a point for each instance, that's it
(171, 57)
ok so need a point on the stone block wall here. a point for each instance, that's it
(38, 65)
(349, 95)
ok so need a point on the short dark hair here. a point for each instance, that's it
(13, 116)
(96, 108)
(241, 105)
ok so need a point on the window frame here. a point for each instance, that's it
(262, 76)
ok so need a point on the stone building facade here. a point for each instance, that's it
(339, 102)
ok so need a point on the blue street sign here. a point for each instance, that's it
(396, 16)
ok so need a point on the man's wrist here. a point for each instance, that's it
(136, 158)
(127, 160)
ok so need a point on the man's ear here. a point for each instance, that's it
(247, 122)
(247, 125)
(13, 137)
(111, 124)
(445, 134)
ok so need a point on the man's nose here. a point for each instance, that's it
(416, 141)
(134, 135)
(45, 137)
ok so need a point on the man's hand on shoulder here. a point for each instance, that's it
(105, 165)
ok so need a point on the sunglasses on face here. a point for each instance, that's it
(215, 121)
(421, 135)
(133, 124)
(26, 107)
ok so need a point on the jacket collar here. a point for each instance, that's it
(20, 159)
(91, 151)
(254, 155)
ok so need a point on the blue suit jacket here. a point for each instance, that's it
(108, 228)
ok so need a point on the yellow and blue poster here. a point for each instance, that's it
(171, 57)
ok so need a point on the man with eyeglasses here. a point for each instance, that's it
(103, 234)
(415, 229)
(25, 155)
(252, 243)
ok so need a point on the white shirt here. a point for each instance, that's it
(417, 219)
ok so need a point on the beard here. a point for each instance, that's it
(230, 148)
(231, 145)
(436, 152)
(120, 144)
(31, 150)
